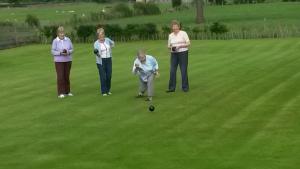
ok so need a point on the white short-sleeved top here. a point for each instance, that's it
(104, 49)
(181, 38)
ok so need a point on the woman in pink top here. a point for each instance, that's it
(178, 44)
(62, 49)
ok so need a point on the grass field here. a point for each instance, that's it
(50, 13)
(242, 111)
(253, 16)
(236, 17)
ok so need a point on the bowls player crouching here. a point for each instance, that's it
(146, 67)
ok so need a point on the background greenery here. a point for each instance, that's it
(246, 21)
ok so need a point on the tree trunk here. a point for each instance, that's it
(199, 11)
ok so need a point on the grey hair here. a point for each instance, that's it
(100, 31)
(60, 29)
(140, 52)
(175, 22)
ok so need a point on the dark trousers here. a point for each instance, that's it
(105, 71)
(181, 59)
(63, 77)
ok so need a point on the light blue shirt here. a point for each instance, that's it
(145, 69)
(104, 49)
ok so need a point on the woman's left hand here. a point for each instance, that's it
(157, 74)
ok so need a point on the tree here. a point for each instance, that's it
(32, 21)
(15, 2)
(199, 11)
(218, 28)
(176, 3)
(85, 31)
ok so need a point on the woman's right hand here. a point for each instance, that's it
(64, 52)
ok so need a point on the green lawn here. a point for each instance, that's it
(236, 17)
(255, 16)
(242, 111)
(51, 13)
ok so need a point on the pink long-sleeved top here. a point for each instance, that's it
(58, 46)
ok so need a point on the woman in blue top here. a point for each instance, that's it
(102, 50)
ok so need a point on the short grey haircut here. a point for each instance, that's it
(141, 52)
(100, 31)
(60, 29)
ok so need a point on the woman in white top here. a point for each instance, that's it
(102, 50)
(178, 44)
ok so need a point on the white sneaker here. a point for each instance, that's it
(109, 93)
(61, 96)
(70, 94)
(104, 94)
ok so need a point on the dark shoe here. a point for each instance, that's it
(170, 91)
(149, 99)
(139, 96)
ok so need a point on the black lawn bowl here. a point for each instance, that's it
(151, 108)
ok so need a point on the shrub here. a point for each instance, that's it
(15, 2)
(100, 1)
(187, 29)
(196, 30)
(113, 30)
(32, 21)
(95, 16)
(85, 31)
(218, 2)
(122, 10)
(218, 28)
(247, 1)
(176, 3)
(139, 8)
(75, 20)
(146, 9)
(49, 31)
(152, 9)
(182, 7)
(6, 23)
(147, 30)
(130, 30)
(166, 29)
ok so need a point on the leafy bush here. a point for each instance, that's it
(290, 0)
(6, 23)
(147, 30)
(122, 10)
(14, 1)
(218, 28)
(146, 8)
(49, 31)
(113, 30)
(130, 30)
(75, 20)
(218, 2)
(85, 31)
(100, 1)
(166, 29)
(176, 3)
(139, 8)
(187, 29)
(196, 30)
(96, 16)
(152, 9)
(247, 1)
(182, 7)
(32, 21)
